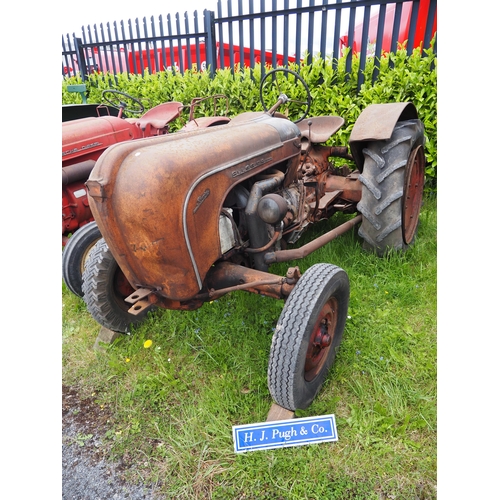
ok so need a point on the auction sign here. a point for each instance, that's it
(284, 433)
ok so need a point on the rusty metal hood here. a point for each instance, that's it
(157, 201)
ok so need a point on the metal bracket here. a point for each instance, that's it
(137, 299)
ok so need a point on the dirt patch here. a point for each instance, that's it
(84, 422)
(85, 413)
(87, 472)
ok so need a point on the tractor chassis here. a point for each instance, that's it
(225, 277)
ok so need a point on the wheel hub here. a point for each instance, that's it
(321, 340)
(122, 286)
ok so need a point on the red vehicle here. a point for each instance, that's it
(85, 139)
(404, 28)
(106, 60)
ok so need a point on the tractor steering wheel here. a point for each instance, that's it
(281, 88)
(130, 104)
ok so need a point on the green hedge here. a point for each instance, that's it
(401, 78)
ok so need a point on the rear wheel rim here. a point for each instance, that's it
(413, 193)
(321, 340)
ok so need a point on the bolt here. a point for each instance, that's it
(326, 340)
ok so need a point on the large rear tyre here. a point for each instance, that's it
(392, 189)
(307, 336)
(75, 255)
(104, 289)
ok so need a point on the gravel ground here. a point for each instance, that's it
(86, 473)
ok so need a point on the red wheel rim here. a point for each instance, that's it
(122, 289)
(321, 340)
(413, 192)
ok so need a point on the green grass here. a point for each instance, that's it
(173, 405)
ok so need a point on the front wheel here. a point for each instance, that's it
(392, 189)
(75, 255)
(104, 289)
(308, 335)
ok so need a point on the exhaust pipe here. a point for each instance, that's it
(77, 172)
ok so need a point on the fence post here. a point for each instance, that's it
(210, 44)
(80, 58)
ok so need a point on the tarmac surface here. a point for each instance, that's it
(86, 472)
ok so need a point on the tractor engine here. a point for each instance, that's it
(75, 206)
(282, 202)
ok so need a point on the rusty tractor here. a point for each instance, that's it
(187, 218)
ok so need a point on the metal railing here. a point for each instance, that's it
(266, 32)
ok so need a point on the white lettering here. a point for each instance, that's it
(315, 429)
(286, 435)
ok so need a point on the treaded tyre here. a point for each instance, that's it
(104, 289)
(75, 254)
(392, 189)
(307, 336)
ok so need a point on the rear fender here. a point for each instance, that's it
(376, 123)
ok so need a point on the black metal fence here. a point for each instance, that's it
(266, 32)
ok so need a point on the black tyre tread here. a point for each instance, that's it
(382, 187)
(288, 336)
(74, 253)
(98, 294)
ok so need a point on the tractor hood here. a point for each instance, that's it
(157, 201)
(87, 138)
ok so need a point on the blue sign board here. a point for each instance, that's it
(284, 433)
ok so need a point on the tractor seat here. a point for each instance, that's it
(159, 116)
(320, 128)
(205, 122)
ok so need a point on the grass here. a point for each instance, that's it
(173, 404)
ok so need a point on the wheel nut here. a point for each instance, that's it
(326, 340)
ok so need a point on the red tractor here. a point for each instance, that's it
(189, 217)
(87, 131)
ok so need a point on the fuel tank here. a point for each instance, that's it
(157, 201)
(87, 138)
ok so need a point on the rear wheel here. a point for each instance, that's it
(75, 255)
(308, 335)
(104, 289)
(392, 189)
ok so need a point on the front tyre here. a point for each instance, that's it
(308, 335)
(104, 289)
(392, 189)
(75, 255)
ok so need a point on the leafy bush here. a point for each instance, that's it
(334, 90)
